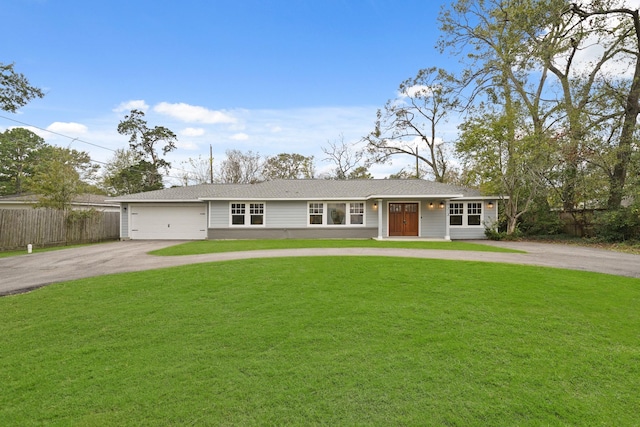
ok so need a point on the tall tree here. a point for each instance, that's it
(127, 173)
(288, 166)
(408, 125)
(624, 39)
(15, 89)
(348, 161)
(147, 141)
(60, 176)
(501, 157)
(18, 157)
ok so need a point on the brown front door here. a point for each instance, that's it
(403, 219)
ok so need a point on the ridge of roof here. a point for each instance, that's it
(303, 189)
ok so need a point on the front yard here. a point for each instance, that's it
(334, 341)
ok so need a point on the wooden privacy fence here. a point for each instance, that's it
(48, 227)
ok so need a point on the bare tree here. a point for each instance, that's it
(349, 162)
(408, 125)
(241, 168)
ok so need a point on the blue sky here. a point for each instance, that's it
(266, 76)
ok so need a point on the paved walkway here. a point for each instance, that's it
(26, 272)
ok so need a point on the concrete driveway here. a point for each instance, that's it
(26, 272)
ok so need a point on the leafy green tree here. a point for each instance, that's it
(501, 157)
(137, 178)
(127, 173)
(19, 149)
(408, 126)
(15, 89)
(288, 166)
(623, 39)
(60, 176)
(360, 172)
(146, 142)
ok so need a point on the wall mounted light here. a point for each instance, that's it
(431, 205)
(490, 204)
(442, 205)
(375, 206)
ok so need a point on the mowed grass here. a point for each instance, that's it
(215, 246)
(325, 341)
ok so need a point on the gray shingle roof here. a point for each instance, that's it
(305, 189)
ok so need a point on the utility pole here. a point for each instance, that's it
(210, 164)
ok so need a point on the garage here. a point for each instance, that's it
(186, 221)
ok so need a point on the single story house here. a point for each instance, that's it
(373, 208)
(80, 202)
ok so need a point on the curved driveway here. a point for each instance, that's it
(26, 272)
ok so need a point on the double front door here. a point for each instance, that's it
(403, 219)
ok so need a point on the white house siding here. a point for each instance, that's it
(471, 233)
(284, 220)
(218, 214)
(432, 224)
(286, 214)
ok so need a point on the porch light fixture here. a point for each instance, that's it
(442, 205)
(375, 205)
(490, 204)
(431, 205)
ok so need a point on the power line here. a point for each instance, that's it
(59, 134)
(73, 139)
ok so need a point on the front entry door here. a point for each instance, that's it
(403, 219)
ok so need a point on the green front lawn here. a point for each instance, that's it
(213, 246)
(325, 340)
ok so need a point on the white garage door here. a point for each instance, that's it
(174, 222)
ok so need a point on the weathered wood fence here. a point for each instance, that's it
(48, 227)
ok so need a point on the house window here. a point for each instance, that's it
(247, 213)
(456, 212)
(237, 213)
(474, 213)
(316, 211)
(356, 213)
(336, 213)
(256, 210)
(465, 214)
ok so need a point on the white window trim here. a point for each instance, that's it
(247, 214)
(325, 210)
(465, 214)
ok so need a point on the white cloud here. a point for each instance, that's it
(193, 113)
(137, 104)
(417, 90)
(193, 132)
(67, 128)
(239, 136)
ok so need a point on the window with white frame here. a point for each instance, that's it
(256, 211)
(336, 213)
(456, 213)
(467, 214)
(247, 213)
(474, 213)
(316, 213)
(356, 213)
